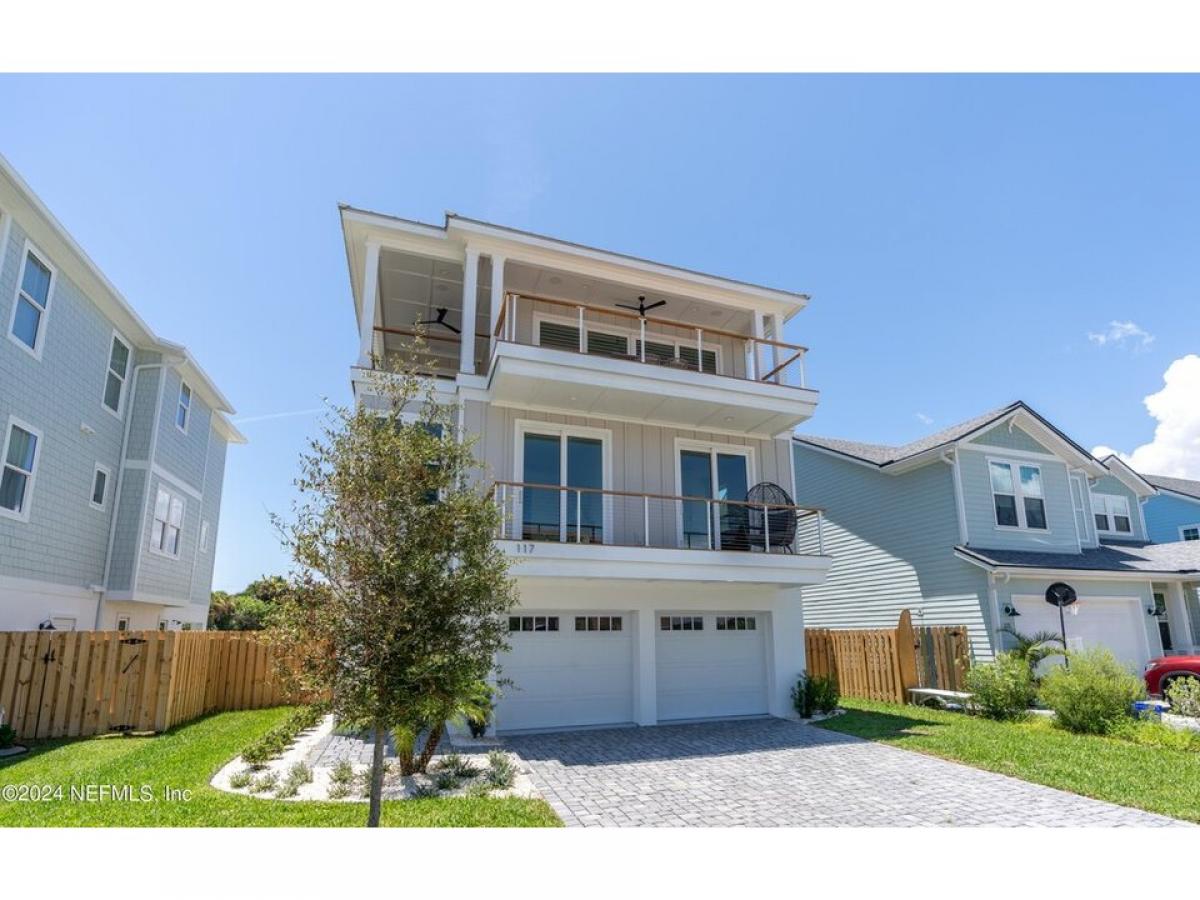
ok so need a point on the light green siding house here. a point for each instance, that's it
(971, 525)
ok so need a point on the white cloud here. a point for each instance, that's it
(1120, 332)
(924, 419)
(1175, 450)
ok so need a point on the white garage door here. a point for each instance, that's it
(711, 665)
(567, 669)
(1113, 623)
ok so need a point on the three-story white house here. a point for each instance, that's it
(112, 449)
(633, 423)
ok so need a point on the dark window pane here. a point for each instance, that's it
(541, 505)
(98, 485)
(616, 623)
(112, 392)
(527, 623)
(1101, 522)
(695, 480)
(562, 337)
(22, 446)
(12, 489)
(514, 623)
(539, 623)
(720, 623)
(699, 624)
(1006, 509)
(607, 344)
(605, 623)
(664, 623)
(25, 325)
(552, 623)
(656, 352)
(1122, 523)
(585, 469)
(1035, 512)
(580, 623)
(36, 280)
(750, 624)
(118, 359)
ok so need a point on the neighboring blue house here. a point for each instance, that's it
(112, 444)
(971, 525)
(1173, 514)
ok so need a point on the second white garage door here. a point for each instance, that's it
(568, 670)
(1115, 623)
(711, 665)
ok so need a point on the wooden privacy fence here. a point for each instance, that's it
(883, 663)
(78, 683)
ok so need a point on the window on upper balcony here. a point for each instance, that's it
(1112, 513)
(1018, 497)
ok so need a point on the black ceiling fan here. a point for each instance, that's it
(641, 309)
(440, 320)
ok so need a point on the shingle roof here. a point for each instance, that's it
(882, 454)
(1180, 557)
(1178, 485)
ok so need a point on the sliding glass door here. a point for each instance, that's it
(717, 475)
(562, 514)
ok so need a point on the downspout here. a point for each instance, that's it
(112, 525)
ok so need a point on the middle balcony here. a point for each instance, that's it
(579, 531)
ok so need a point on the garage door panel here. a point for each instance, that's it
(1115, 623)
(566, 678)
(708, 673)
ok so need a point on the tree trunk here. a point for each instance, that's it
(377, 775)
(431, 742)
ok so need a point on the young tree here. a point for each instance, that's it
(396, 610)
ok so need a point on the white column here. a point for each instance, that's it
(645, 710)
(1177, 618)
(756, 324)
(497, 301)
(466, 360)
(370, 305)
(776, 334)
(787, 652)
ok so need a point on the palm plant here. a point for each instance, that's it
(1033, 648)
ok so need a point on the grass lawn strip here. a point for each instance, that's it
(184, 759)
(1150, 778)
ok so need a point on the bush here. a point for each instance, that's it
(8, 736)
(1150, 732)
(457, 765)
(500, 772)
(1002, 689)
(1093, 695)
(815, 693)
(279, 738)
(1183, 694)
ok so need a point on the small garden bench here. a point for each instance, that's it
(920, 695)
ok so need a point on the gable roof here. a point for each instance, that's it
(1184, 486)
(1131, 478)
(883, 456)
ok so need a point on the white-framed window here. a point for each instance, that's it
(122, 623)
(598, 623)
(204, 536)
(184, 411)
(1189, 532)
(548, 453)
(116, 376)
(18, 468)
(1018, 496)
(718, 472)
(681, 623)
(35, 284)
(167, 530)
(533, 623)
(736, 623)
(1112, 513)
(101, 476)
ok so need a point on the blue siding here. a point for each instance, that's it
(1010, 439)
(1166, 513)
(892, 538)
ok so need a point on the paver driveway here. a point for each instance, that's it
(774, 772)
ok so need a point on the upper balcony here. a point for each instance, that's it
(551, 325)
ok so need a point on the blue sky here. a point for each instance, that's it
(961, 237)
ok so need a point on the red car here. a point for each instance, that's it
(1162, 671)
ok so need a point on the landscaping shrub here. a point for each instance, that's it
(1093, 695)
(447, 781)
(298, 775)
(1183, 694)
(341, 780)
(1151, 732)
(815, 693)
(1003, 688)
(241, 779)
(268, 781)
(500, 772)
(8, 736)
(457, 765)
(278, 739)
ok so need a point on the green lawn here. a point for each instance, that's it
(1150, 778)
(186, 758)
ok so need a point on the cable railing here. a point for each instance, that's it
(603, 331)
(586, 515)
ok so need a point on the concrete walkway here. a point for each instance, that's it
(775, 772)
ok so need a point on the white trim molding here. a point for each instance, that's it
(39, 340)
(21, 515)
(108, 480)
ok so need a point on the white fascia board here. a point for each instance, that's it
(1128, 476)
(606, 563)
